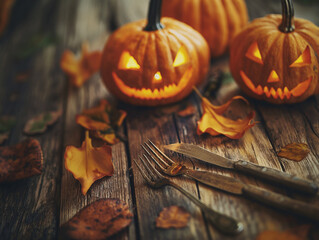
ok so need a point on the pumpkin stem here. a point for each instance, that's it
(287, 25)
(154, 16)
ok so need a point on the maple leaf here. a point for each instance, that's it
(294, 151)
(40, 123)
(214, 123)
(172, 217)
(80, 70)
(88, 164)
(22, 160)
(103, 120)
(100, 220)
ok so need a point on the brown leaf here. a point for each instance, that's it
(88, 164)
(294, 151)
(5, 9)
(173, 217)
(103, 120)
(214, 123)
(22, 77)
(186, 112)
(297, 233)
(100, 220)
(40, 123)
(22, 160)
(80, 70)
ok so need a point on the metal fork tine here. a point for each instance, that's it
(147, 167)
(147, 179)
(163, 154)
(151, 165)
(157, 163)
(159, 158)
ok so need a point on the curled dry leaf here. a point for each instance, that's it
(297, 233)
(80, 70)
(88, 164)
(214, 123)
(40, 123)
(103, 120)
(100, 220)
(6, 123)
(294, 151)
(173, 217)
(22, 160)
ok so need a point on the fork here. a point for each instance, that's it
(173, 169)
(155, 179)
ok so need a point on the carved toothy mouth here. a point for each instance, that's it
(297, 91)
(165, 92)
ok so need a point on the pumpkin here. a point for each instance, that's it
(217, 20)
(154, 62)
(275, 58)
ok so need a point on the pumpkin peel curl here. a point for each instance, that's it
(80, 70)
(88, 163)
(214, 123)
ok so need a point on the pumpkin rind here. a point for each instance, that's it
(278, 51)
(154, 51)
(217, 20)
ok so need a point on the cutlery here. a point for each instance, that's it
(276, 176)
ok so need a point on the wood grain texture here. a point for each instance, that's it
(34, 208)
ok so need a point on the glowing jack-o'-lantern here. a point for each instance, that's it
(156, 64)
(275, 58)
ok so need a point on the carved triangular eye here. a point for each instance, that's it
(181, 57)
(254, 54)
(127, 61)
(303, 60)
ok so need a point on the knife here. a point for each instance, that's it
(266, 173)
(234, 186)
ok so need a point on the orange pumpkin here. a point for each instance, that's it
(275, 58)
(156, 64)
(217, 20)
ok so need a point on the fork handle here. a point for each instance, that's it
(222, 222)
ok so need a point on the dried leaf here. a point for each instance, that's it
(88, 164)
(40, 123)
(6, 124)
(172, 217)
(186, 112)
(99, 220)
(297, 233)
(214, 123)
(80, 70)
(5, 9)
(22, 77)
(103, 120)
(294, 151)
(22, 160)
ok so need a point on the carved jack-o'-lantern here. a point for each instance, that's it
(275, 58)
(156, 64)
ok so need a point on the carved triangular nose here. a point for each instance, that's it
(273, 77)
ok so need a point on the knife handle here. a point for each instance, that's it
(282, 202)
(278, 177)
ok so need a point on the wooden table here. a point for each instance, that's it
(34, 208)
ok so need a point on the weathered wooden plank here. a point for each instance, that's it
(141, 125)
(29, 208)
(81, 21)
(254, 147)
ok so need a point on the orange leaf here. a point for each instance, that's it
(172, 217)
(297, 233)
(103, 120)
(294, 151)
(80, 70)
(186, 112)
(88, 164)
(214, 123)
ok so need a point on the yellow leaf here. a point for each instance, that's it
(88, 164)
(294, 151)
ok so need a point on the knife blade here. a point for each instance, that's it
(266, 173)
